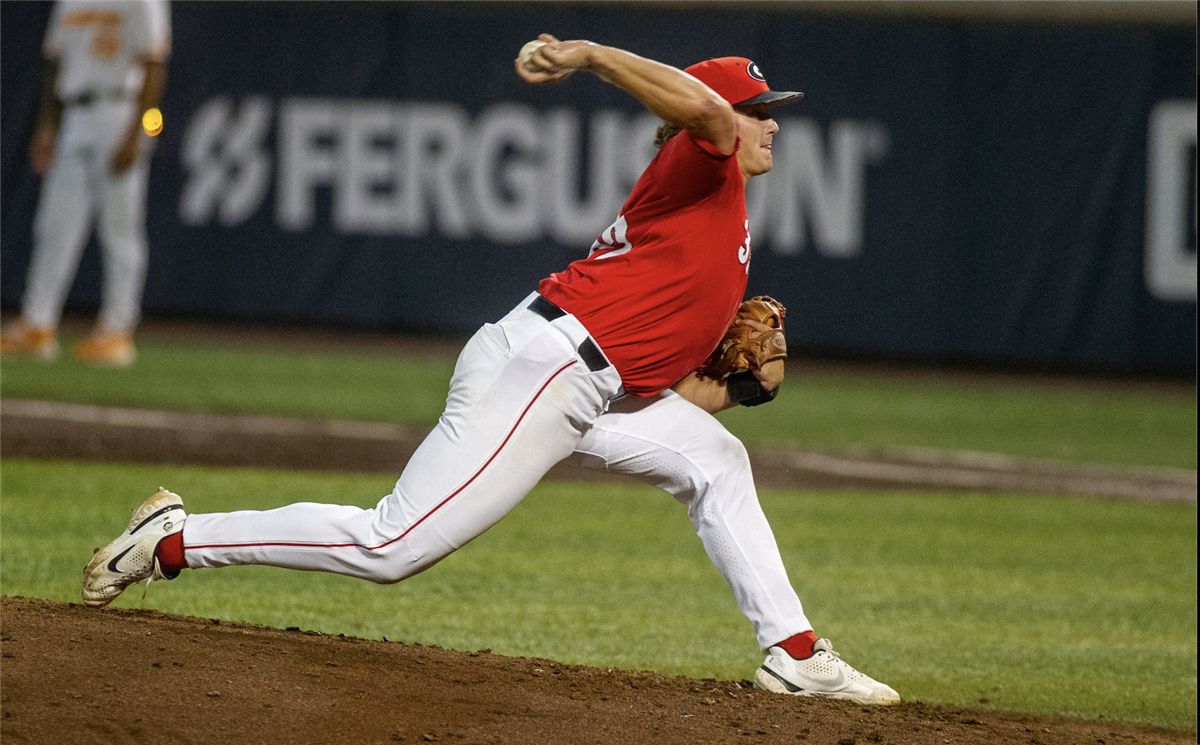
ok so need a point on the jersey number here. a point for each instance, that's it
(612, 242)
(744, 249)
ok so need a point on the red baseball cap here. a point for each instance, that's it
(740, 82)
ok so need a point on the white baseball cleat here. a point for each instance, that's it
(823, 674)
(130, 559)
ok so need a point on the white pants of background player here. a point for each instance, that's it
(79, 185)
(521, 399)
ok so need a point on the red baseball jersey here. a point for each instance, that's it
(662, 284)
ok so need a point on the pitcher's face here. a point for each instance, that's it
(756, 130)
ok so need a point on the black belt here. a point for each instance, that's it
(588, 351)
(91, 97)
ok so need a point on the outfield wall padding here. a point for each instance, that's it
(1012, 192)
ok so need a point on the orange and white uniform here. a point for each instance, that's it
(100, 47)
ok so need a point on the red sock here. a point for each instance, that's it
(799, 646)
(170, 554)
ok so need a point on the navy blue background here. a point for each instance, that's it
(1005, 225)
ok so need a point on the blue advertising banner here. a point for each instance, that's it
(950, 190)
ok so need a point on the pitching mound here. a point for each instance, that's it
(72, 674)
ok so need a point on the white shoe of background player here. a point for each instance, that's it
(823, 674)
(129, 558)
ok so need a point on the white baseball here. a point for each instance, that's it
(527, 51)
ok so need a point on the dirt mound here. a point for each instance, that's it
(72, 674)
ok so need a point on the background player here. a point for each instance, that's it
(598, 362)
(105, 66)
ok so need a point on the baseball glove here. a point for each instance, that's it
(743, 347)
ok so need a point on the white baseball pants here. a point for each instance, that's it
(78, 185)
(522, 399)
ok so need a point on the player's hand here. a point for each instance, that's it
(126, 153)
(770, 374)
(41, 150)
(555, 60)
(710, 395)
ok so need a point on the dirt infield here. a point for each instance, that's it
(52, 430)
(72, 674)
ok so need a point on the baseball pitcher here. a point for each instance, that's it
(105, 67)
(619, 360)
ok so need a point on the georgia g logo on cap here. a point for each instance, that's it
(753, 71)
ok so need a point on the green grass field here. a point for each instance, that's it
(1035, 604)
(1070, 606)
(818, 411)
